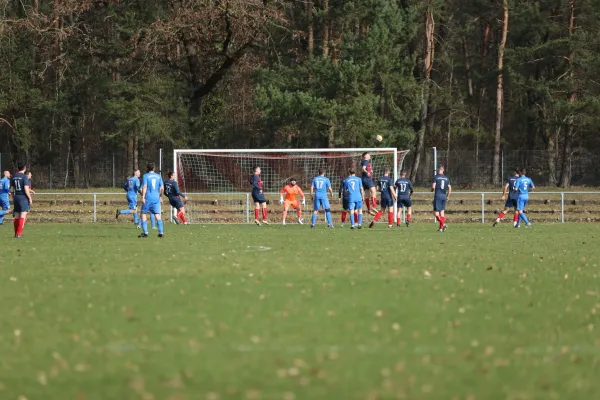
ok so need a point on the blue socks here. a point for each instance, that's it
(360, 219)
(328, 216)
(314, 219)
(121, 212)
(160, 226)
(523, 217)
(153, 220)
(2, 214)
(145, 227)
(135, 218)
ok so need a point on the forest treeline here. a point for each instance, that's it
(81, 80)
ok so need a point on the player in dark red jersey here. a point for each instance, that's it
(22, 199)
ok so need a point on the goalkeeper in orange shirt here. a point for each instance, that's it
(291, 190)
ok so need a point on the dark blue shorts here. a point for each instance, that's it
(386, 202)
(345, 203)
(511, 203)
(258, 197)
(406, 202)
(439, 204)
(367, 183)
(176, 202)
(21, 204)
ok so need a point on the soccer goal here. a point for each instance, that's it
(217, 185)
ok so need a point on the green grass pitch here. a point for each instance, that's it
(272, 312)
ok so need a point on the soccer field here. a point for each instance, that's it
(272, 312)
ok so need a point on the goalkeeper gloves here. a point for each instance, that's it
(281, 200)
(303, 201)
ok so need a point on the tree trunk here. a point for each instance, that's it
(565, 175)
(130, 163)
(499, 97)
(136, 148)
(428, 57)
(311, 33)
(331, 137)
(325, 28)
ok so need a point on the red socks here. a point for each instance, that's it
(408, 217)
(264, 213)
(378, 215)
(344, 213)
(398, 220)
(516, 218)
(356, 218)
(19, 224)
(181, 216)
(501, 215)
(368, 204)
(442, 221)
(256, 211)
(374, 202)
(390, 218)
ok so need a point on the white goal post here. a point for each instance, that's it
(217, 181)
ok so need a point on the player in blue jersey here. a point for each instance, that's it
(132, 187)
(177, 199)
(152, 190)
(4, 192)
(356, 194)
(258, 196)
(22, 199)
(511, 202)
(523, 186)
(320, 188)
(343, 196)
(404, 190)
(368, 184)
(442, 191)
(385, 185)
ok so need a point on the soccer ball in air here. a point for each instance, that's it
(379, 138)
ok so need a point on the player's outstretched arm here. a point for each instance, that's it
(504, 191)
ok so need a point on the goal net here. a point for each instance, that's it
(217, 182)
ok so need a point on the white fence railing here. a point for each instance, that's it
(244, 206)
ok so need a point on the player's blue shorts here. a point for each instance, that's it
(151, 207)
(511, 203)
(367, 183)
(321, 202)
(345, 203)
(522, 202)
(132, 201)
(176, 202)
(354, 205)
(258, 197)
(21, 204)
(439, 204)
(386, 202)
(4, 204)
(404, 202)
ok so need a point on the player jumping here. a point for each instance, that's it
(175, 197)
(152, 190)
(404, 192)
(291, 190)
(258, 197)
(442, 191)
(356, 194)
(318, 190)
(522, 187)
(367, 181)
(132, 187)
(4, 192)
(511, 202)
(22, 199)
(386, 186)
